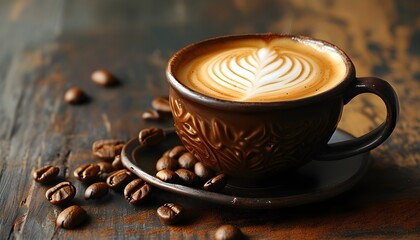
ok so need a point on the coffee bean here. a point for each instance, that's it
(228, 232)
(177, 151)
(104, 78)
(75, 95)
(187, 161)
(168, 176)
(137, 191)
(71, 217)
(61, 193)
(117, 163)
(203, 172)
(216, 184)
(151, 115)
(161, 105)
(87, 173)
(96, 190)
(187, 177)
(165, 162)
(45, 174)
(107, 149)
(118, 179)
(166, 153)
(151, 136)
(104, 167)
(170, 213)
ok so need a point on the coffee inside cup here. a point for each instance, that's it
(260, 69)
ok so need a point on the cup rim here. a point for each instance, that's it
(209, 101)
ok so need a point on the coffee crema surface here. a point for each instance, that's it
(259, 70)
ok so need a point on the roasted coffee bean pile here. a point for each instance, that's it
(177, 165)
(99, 177)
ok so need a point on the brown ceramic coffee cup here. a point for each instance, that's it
(256, 139)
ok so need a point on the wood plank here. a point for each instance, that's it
(25, 23)
(48, 46)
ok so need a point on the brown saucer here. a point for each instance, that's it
(316, 181)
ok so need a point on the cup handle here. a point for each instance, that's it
(377, 136)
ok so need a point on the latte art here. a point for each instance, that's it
(263, 72)
(251, 74)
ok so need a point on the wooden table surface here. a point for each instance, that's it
(47, 46)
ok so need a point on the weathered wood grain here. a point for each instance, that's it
(48, 46)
